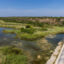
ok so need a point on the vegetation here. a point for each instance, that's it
(12, 55)
(32, 33)
(35, 21)
(30, 28)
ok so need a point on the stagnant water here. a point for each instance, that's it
(43, 46)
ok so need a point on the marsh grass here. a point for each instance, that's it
(28, 32)
(13, 55)
(15, 59)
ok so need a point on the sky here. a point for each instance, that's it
(31, 8)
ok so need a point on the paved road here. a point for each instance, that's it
(60, 59)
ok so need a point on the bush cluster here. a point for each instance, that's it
(28, 29)
(12, 50)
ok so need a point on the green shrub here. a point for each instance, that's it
(28, 26)
(15, 59)
(28, 30)
(44, 29)
(14, 55)
(12, 50)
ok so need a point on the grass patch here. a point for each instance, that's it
(13, 55)
(33, 33)
(15, 59)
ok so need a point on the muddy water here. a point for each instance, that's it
(43, 46)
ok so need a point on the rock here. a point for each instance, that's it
(60, 43)
(38, 57)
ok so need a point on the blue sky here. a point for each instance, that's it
(31, 7)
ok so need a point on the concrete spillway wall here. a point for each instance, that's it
(55, 54)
